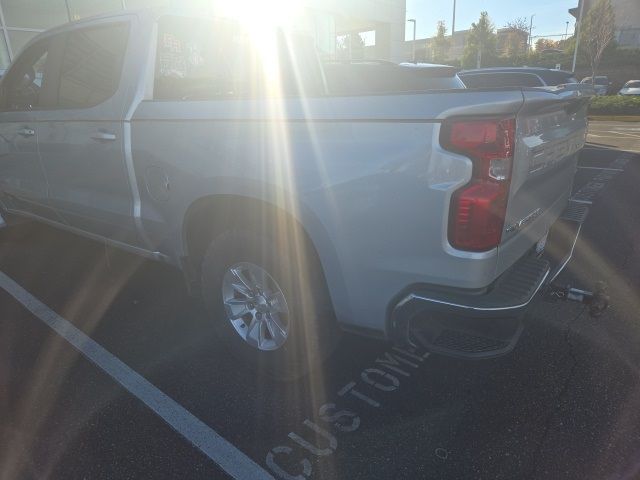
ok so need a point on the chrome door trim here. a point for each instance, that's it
(133, 183)
(92, 236)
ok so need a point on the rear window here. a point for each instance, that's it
(502, 79)
(598, 80)
(212, 59)
(556, 77)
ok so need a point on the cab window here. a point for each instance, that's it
(23, 85)
(92, 65)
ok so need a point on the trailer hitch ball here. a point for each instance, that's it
(597, 301)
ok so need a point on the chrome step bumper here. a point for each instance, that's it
(485, 324)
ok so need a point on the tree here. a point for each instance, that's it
(441, 43)
(481, 41)
(597, 32)
(514, 44)
(546, 44)
(350, 47)
(519, 23)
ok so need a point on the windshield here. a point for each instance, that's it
(319, 240)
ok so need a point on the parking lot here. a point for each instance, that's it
(143, 390)
(614, 134)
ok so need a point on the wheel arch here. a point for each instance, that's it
(211, 215)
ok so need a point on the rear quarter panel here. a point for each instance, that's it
(363, 175)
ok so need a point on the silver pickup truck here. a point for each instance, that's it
(294, 212)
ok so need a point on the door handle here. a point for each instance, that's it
(27, 132)
(104, 137)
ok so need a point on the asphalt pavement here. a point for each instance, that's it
(153, 395)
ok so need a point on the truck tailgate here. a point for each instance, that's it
(550, 131)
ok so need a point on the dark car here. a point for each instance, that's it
(378, 77)
(601, 84)
(515, 77)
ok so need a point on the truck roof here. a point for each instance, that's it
(514, 69)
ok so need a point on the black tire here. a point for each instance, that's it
(313, 332)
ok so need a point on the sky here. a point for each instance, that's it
(550, 15)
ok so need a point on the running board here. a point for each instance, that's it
(476, 339)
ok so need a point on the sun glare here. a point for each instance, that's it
(262, 14)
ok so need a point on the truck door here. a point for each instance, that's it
(82, 143)
(25, 92)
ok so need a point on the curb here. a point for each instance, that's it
(615, 118)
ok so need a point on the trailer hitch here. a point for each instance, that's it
(597, 301)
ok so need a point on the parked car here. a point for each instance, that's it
(632, 87)
(515, 77)
(388, 77)
(294, 213)
(601, 84)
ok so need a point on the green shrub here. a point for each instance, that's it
(615, 105)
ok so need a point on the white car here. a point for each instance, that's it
(632, 87)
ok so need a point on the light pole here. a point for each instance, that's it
(566, 30)
(453, 22)
(577, 35)
(530, 29)
(413, 44)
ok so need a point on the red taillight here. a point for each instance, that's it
(478, 209)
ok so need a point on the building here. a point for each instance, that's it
(511, 39)
(424, 47)
(627, 13)
(504, 37)
(380, 22)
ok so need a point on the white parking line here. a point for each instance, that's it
(622, 133)
(223, 453)
(601, 168)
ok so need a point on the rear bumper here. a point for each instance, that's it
(485, 322)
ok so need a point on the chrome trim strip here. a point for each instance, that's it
(99, 238)
(554, 275)
(138, 97)
(568, 257)
(413, 296)
(586, 202)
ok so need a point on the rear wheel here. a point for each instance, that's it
(268, 303)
